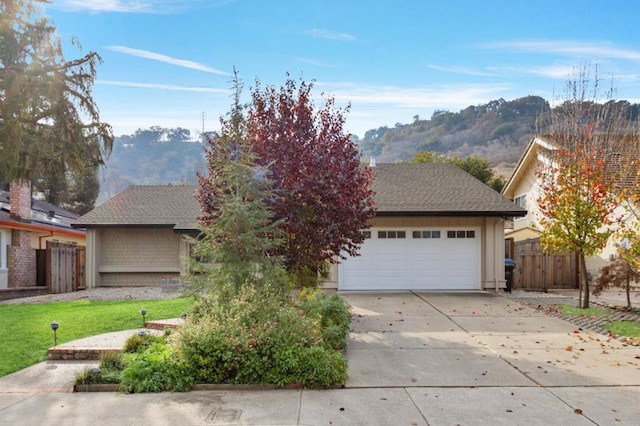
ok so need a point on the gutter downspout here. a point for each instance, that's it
(43, 236)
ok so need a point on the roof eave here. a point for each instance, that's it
(492, 213)
(123, 225)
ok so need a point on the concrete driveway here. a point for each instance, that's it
(476, 339)
(414, 359)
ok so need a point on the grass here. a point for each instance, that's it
(624, 328)
(574, 311)
(25, 329)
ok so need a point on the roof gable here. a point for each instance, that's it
(622, 151)
(435, 189)
(161, 205)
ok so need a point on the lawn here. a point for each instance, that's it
(574, 311)
(25, 329)
(624, 328)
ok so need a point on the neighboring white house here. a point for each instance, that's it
(437, 228)
(523, 187)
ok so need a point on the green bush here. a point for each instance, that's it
(259, 338)
(334, 314)
(140, 342)
(110, 371)
(112, 361)
(156, 369)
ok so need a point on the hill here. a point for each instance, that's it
(151, 157)
(498, 131)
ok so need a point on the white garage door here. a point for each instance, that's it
(415, 259)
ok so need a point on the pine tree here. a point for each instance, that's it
(239, 233)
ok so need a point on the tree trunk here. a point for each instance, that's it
(628, 289)
(585, 280)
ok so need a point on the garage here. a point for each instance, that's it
(443, 258)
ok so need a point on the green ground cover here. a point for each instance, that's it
(624, 328)
(25, 329)
(574, 311)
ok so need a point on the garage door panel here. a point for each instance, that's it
(414, 263)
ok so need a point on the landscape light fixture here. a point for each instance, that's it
(143, 312)
(183, 315)
(54, 327)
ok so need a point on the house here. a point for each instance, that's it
(26, 225)
(437, 228)
(523, 187)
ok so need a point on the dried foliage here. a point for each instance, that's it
(619, 273)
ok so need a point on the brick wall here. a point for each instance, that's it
(20, 199)
(22, 260)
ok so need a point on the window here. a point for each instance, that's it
(425, 234)
(392, 234)
(461, 234)
(366, 234)
(521, 201)
(3, 249)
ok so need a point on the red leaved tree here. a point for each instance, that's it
(577, 206)
(581, 178)
(323, 193)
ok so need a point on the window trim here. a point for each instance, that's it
(524, 197)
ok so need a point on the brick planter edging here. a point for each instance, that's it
(77, 354)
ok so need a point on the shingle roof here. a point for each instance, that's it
(41, 206)
(436, 190)
(401, 189)
(162, 205)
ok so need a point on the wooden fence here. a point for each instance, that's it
(538, 271)
(63, 267)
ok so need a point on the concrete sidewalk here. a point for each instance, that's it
(414, 359)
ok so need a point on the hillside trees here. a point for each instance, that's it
(477, 167)
(324, 195)
(50, 127)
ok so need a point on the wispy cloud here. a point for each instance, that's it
(166, 59)
(156, 86)
(552, 71)
(314, 62)
(124, 6)
(329, 35)
(564, 47)
(462, 70)
(447, 96)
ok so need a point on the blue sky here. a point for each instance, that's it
(168, 61)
